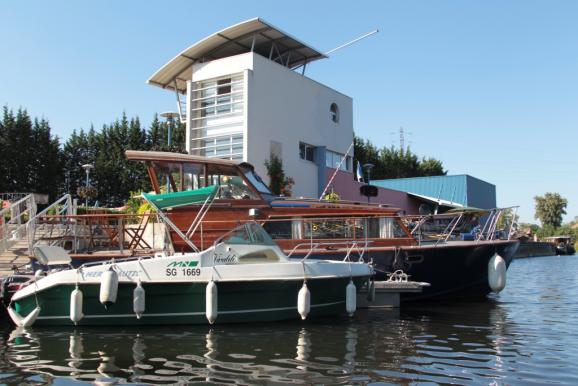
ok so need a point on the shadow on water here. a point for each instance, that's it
(526, 335)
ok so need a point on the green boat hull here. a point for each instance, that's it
(184, 303)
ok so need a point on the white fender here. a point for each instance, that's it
(350, 298)
(497, 273)
(27, 321)
(138, 300)
(108, 287)
(371, 291)
(39, 274)
(76, 300)
(211, 298)
(304, 301)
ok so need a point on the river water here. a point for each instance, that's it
(526, 335)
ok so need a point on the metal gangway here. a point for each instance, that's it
(15, 217)
(19, 227)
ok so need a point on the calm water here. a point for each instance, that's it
(526, 335)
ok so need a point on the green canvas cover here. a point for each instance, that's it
(177, 199)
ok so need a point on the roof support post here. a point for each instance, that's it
(188, 115)
(179, 104)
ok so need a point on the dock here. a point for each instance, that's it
(387, 293)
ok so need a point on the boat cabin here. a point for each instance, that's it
(206, 197)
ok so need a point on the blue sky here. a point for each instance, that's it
(488, 87)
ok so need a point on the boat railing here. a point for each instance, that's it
(319, 229)
(359, 246)
(115, 260)
(469, 225)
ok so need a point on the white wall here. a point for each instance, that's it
(287, 107)
(284, 106)
(222, 67)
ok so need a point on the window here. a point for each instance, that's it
(333, 159)
(279, 229)
(217, 117)
(306, 151)
(334, 111)
(330, 229)
(232, 186)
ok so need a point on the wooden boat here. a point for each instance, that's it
(453, 268)
(244, 277)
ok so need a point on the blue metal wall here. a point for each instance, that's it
(461, 189)
(481, 194)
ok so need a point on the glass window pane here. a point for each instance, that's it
(223, 140)
(279, 229)
(309, 153)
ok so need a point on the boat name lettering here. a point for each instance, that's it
(120, 274)
(231, 258)
(183, 264)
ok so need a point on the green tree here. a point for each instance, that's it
(390, 162)
(550, 209)
(431, 167)
(279, 183)
(46, 162)
(31, 158)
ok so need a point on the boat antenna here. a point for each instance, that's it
(352, 42)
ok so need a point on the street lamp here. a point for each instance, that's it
(368, 168)
(87, 168)
(170, 116)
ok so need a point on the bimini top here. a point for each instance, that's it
(254, 35)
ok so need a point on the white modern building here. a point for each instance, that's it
(243, 95)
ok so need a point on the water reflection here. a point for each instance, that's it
(524, 335)
(379, 344)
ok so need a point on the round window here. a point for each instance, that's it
(334, 110)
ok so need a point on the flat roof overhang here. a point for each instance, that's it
(254, 35)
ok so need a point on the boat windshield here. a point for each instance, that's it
(182, 177)
(257, 182)
(249, 233)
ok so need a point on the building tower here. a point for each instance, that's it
(243, 95)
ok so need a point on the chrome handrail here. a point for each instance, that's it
(11, 230)
(347, 244)
(32, 224)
